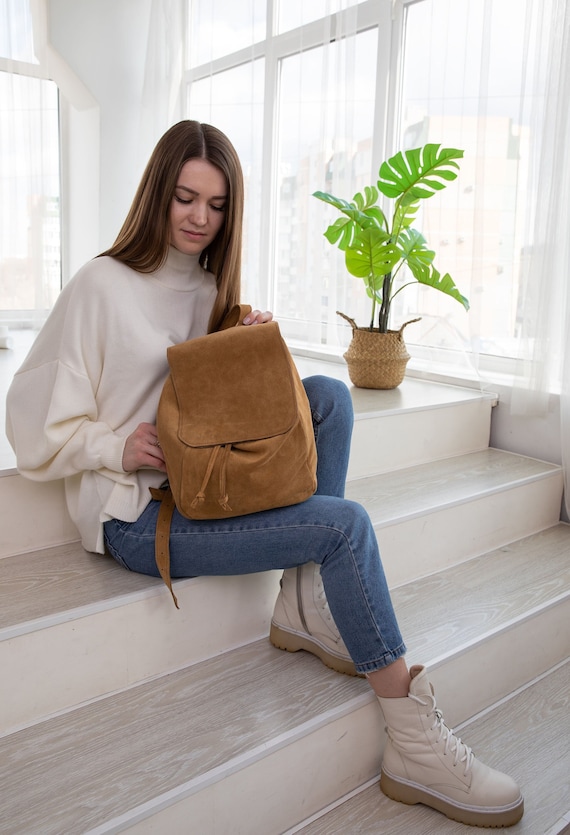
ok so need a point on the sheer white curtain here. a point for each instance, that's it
(164, 67)
(545, 342)
(493, 77)
(475, 76)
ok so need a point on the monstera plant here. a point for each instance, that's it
(378, 242)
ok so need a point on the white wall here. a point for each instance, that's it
(103, 43)
(531, 435)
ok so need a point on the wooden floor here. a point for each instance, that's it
(503, 736)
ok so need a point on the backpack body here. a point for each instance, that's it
(234, 423)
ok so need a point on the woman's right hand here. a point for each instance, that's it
(142, 450)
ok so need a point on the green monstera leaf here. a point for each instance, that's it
(419, 173)
(378, 245)
(361, 214)
(419, 259)
(372, 254)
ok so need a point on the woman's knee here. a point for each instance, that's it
(327, 395)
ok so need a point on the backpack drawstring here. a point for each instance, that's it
(201, 494)
(224, 498)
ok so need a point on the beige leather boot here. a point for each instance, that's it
(302, 619)
(424, 762)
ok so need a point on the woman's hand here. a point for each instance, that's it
(142, 450)
(256, 317)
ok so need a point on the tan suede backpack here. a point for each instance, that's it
(235, 427)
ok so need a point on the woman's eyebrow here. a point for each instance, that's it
(192, 191)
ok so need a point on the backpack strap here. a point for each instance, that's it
(162, 536)
(235, 316)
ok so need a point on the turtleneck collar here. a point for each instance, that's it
(181, 271)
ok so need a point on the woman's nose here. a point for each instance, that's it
(198, 214)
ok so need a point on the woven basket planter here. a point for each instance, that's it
(376, 360)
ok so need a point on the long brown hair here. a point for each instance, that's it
(144, 238)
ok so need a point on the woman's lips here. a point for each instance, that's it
(196, 236)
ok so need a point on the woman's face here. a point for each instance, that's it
(198, 207)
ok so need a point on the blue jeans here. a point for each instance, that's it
(326, 529)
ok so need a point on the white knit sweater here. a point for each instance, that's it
(96, 371)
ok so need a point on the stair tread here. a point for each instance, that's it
(61, 579)
(528, 736)
(416, 490)
(485, 594)
(412, 394)
(76, 771)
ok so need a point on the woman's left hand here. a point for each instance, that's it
(256, 317)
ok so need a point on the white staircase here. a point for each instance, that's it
(120, 714)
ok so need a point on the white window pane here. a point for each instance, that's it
(325, 120)
(233, 102)
(471, 93)
(16, 35)
(29, 195)
(294, 13)
(220, 27)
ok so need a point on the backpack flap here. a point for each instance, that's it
(233, 386)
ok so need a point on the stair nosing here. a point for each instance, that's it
(372, 414)
(96, 607)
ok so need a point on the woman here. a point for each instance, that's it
(83, 408)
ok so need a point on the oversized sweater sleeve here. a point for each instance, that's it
(52, 417)
(52, 424)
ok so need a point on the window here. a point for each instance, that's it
(30, 236)
(472, 92)
(30, 225)
(294, 87)
(30, 265)
(315, 95)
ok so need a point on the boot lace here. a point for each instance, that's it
(452, 744)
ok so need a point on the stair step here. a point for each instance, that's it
(419, 421)
(433, 515)
(75, 626)
(34, 514)
(423, 422)
(506, 611)
(243, 731)
(416, 423)
(528, 736)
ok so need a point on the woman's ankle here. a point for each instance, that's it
(391, 682)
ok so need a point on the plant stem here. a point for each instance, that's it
(385, 306)
(373, 311)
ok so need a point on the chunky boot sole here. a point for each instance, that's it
(293, 642)
(411, 793)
